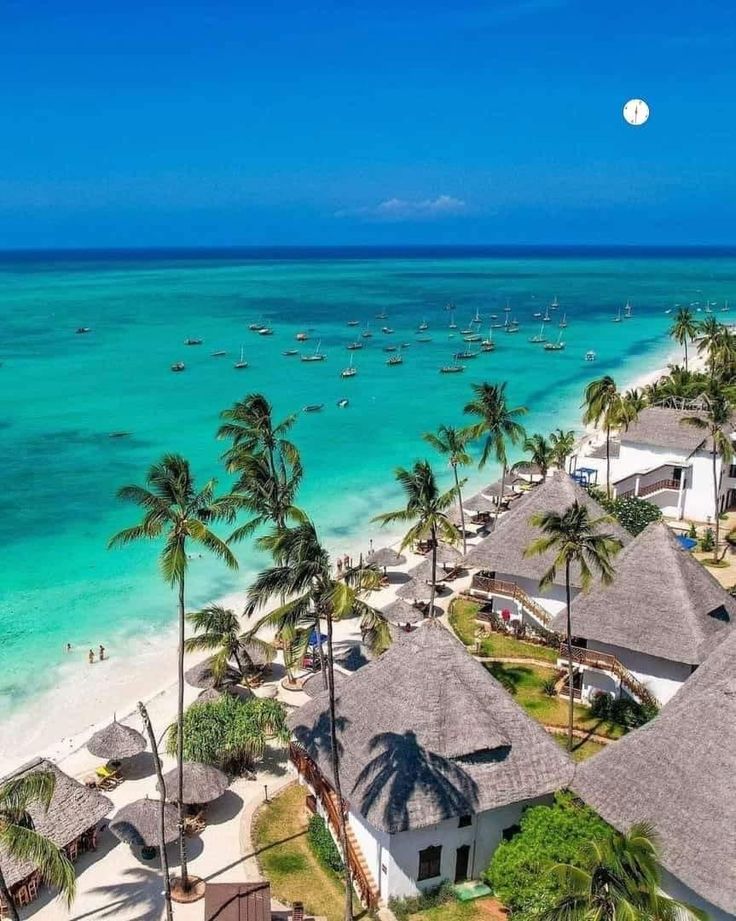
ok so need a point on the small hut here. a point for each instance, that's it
(203, 783)
(400, 612)
(417, 591)
(138, 823)
(115, 742)
(201, 676)
(384, 557)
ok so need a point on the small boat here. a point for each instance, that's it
(367, 334)
(395, 360)
(590, 355)
(119, 434)
(725, 307)
(178, 366)
(354, 346)
(538, 315)
(627, 310)
(389, 348)
(343, 403)
(488, 345)
(563, 322)
(464, 356)
(618, 317)
(468, 331)
(353, 322)
(382, 315)
(265, 331)
(83, 330)
(301, 337)
(555, 303)
(540, 337)
(318, 356)
(546, 318)
(473, 337)
(350, 371)
(494, 316)
(241, 362)
(289, 352)
(507, 308)
(423, 339)
(477, 317)
(192, 342)
(254, 327)
(555, 346)
(451, 369)
(423, 326)
(513, 327)
(406, 345)
(386, 329)
(314, 408)
(220, 353)
(497, 325)
(452, 324)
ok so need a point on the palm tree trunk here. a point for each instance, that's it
(685, 344)
(8, 899)
(715, 502)
(241, 669)
(322, 665)
(433, 587)
(608, 460)
(500, 496)
(570, 709)
(336, 773)
(460, 503)
(180, 742)
(161, 837)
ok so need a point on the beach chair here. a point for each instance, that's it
(107, 777)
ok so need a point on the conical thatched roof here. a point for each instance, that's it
(116, 741)
(200, 675)
(73, 810)
(427, 734)
(677, 772)
(401, 612)
(661, 602)
(313, 685)
(503, 550)
(385, 556)
(203, 783)
(138, 823)
(415, 591)
(479, 503)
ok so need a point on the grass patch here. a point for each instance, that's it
(526, 682)
(582, 748)
(462, 620)
(280, 840)
(476, 910)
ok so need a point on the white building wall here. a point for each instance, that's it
(552, 599)
(676, 889)
(661, 676)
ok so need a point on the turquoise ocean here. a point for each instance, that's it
(63, 394)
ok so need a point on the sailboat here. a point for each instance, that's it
(546, 318)
(452, 369)
(318, 356)
(423, 326)
(241, 362)
(473, 337)
(453, 324)
(301, 337)
(354, 346)
(350, 371)
(513, 326)
(555, 346)
(488, 345)
(367, 334)
(395, 360)
(563, 322)
(353, 322)
(382, 315)
(617, 318)
(627, 311)
(540, 337)
(555, 303)
(507, 308)
(477, 317)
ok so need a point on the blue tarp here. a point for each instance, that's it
(687, 543)
(316, 639)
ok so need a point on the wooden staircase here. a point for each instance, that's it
(608, 663)
(505, 589)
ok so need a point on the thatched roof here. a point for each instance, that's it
(479, 503)
(202, 783)
(200, 675)
(427, 734)
(137, 823)
(415, 590)
(116, 741)
(661, 602)
(401, 612)
(677, 772)
(503, 550)
(664, 428)
(74, 809)
(385, 556)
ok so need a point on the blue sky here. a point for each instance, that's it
(365, 122)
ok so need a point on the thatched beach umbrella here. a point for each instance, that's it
(202, 783)
(385, 556)
(415, 591)
(479, 503)
(138, 823)
(116, 742)
(401, 612)
(200, 676)
(494, 489)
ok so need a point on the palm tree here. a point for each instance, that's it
(576, 541)
(303, 574)
(452, 443)
(218, 630)
(175, 510)
(20, 841)
(684, 328)
(562, 444)
(617, 878)
(267, 463)
(426, 511)
(603, 404)
(498, 425)
(541, 454)
(710, 339)
(715, 420)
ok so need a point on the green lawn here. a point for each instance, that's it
(462, 620)
(582, 748)
(525, 683)
(476, 910)
(280, 840)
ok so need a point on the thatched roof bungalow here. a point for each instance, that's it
(437, 761)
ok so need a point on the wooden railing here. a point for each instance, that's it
(660, 484)
(511, 590)
(606, 662)
(360, 873)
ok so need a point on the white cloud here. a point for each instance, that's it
(405, 209)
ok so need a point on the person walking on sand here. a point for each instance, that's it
(91, 656)
(102, 652)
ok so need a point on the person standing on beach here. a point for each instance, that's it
(102, 652)
(91, 656)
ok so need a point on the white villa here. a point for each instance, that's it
(437, 764)
(657, 621)
(508, 578)
(668, 462)
(677, 773)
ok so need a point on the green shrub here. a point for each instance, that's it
(623, 711)
(632, 513)
(441, 895)
(548, 835)
(549, 686)
(731, 537)
(323, 844)
(692, 531)
(707, 541)
(600, 705)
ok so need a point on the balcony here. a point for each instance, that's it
(603, 661)
(649, 482)
(491, 586)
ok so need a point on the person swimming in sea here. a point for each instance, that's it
(91, 657)
(102, 652)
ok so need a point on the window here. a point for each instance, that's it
(429, 862)
(464, 821)
(732, 471)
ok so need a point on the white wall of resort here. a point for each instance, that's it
(552, 599)
(662, 677)
(676, 889)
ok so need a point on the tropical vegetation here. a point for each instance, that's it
(631, 512)
(452, 443)
(217, 630)
(323, 844)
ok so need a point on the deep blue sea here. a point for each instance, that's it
(63, 394)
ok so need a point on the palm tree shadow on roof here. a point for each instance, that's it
(403, 771)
